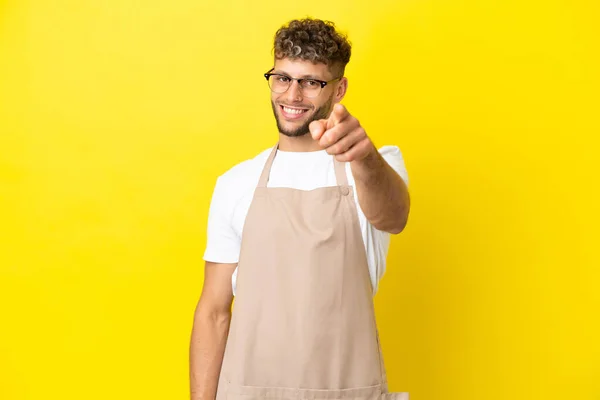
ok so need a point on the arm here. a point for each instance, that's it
(382, 193)
(210, 330)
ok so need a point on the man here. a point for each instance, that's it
(300, 235)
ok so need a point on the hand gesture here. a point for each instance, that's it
(342, 136)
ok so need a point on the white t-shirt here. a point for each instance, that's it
(234, 191)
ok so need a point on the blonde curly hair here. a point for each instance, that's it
(313, 40)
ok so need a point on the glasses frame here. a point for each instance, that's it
(268, 75)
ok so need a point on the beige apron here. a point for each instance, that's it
(303, 324)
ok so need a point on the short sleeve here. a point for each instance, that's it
(393, 156)
(223, 243)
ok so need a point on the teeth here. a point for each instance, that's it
(292, 110)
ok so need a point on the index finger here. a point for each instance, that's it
(338, 114)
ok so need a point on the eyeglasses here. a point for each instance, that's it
(279, 83)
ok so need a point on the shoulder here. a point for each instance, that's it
(393, 155)
(242, 175)
(390, 151)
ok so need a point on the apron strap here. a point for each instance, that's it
(264, 177)
(340, 172)
(339, 168)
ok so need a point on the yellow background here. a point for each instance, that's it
(117, 116)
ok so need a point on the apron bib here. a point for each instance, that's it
(303, 324)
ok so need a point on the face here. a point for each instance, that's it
(294, 111)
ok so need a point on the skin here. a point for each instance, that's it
(327, 125)
(209, 333)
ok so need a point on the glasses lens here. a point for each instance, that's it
(310, 88)
(279, 83)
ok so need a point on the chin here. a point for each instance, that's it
(293, 129)
(294, 134)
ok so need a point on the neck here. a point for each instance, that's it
(298, 144)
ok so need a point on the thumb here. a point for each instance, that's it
(317, 128)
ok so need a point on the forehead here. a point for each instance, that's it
(302, 69)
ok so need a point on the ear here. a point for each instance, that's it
(340, 92)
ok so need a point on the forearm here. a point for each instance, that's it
(209, 336)
(382, 194)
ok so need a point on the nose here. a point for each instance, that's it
(293, 94)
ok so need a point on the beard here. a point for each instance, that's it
(321, 113)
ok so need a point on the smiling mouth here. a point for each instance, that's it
(292, 112)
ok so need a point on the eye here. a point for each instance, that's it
(282, 79)
(309, 83)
